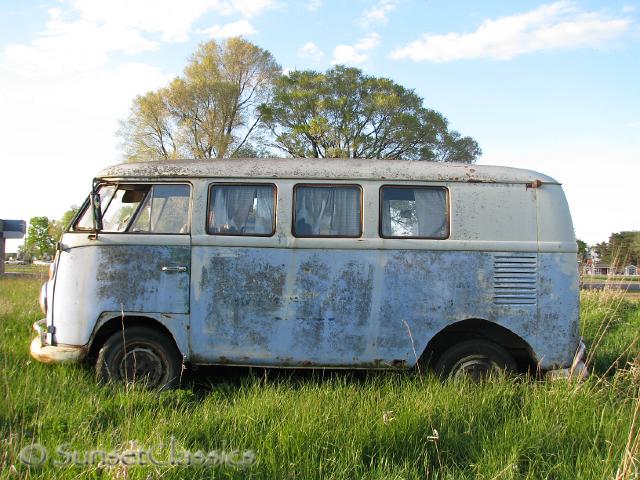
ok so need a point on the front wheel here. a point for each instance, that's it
(140, 354)
(475, 359)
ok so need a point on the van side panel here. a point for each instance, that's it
(352, 308)
(281, 306)
(558, 310)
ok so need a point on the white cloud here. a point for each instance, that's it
(171, 19)
(357, 53)
(73, 46)
(249, 8)
(378, 14)
(235, 29)
(310, 50)
(313, 5)
(559, 25)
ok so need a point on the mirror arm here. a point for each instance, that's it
(96, 208)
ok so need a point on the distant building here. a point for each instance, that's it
(10, 229)
(601, 269)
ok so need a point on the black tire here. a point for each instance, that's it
(475, 359)
(143, 355)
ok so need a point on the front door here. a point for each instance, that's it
(138, 263)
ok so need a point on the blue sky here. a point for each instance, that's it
(551, 86)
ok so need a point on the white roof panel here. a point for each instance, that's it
(320, 168)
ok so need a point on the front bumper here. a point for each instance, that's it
(578, 369)
(53, 353)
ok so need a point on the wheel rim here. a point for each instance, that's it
(142, 363)
(475, 367)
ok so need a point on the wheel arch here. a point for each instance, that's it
(110, 324)
(471, 328)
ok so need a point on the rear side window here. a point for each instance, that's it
(414, 212)
(242, 210)
(327, 211)
(165, 210)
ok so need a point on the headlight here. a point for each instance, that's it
(43, 298)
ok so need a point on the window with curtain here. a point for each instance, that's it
(242, 210)
(165, 210)
(419, 212)
(327, 211)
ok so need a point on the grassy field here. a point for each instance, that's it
(29, 268)
(292, 425)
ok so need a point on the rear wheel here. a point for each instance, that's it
(140, 355)
(475, 359)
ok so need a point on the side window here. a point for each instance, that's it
(122, 207)
(85, 222)
(165, 210)
(242, 210)
(327, 211)
(418, 212)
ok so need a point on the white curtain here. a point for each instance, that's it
(328, 211)
(264, 209)
(431, 212)
(233, 205)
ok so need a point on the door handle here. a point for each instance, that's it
(174, 269)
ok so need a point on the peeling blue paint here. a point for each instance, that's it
(359, 307)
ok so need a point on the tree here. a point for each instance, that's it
(39, 242)
(583, 250)
(344, 113)
(210, 112)
(149, 131)
(622, 249)
(57, 227)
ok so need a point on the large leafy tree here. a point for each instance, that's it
(345, 113)
(211, 111)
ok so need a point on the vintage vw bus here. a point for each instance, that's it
(315, 263)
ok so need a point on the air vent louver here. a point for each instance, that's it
(515, 279)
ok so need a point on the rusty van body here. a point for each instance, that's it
(315, 263)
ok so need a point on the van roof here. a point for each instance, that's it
(312, 168)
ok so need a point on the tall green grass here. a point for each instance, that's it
(326, 424)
